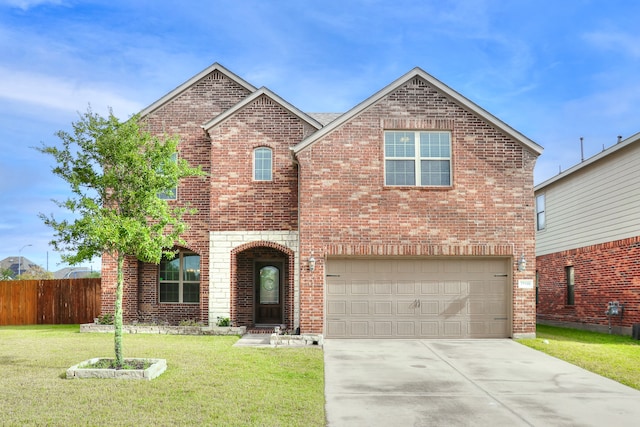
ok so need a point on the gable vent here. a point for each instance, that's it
(263, 100)
(417, 81)
(217, 75)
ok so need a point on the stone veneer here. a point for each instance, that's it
(222, 244)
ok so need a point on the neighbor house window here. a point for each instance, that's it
(541, 220)
(568, 271)
(180, 278)
(417, 158)
(171, 193)
(262, 164)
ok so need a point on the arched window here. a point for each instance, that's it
(179, 279)
(262, 164)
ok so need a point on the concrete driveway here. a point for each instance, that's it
(466, 383)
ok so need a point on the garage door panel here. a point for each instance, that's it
(381, 308)
(382, 288)
(429, 288)
(382, 329)
(358, 308)
(337, 308)
(429, 308)
(359, 287)
(406, 329)
(452, 288)
(359, 329)
(452, 329)
(405, 307)
(420, 298)
(406, 288)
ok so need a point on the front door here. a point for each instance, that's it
(269, 281)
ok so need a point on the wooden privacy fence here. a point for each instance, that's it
(49, 302)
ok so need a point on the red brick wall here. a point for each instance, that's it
(237, 201)
(183, 115)
(602, 273)
(344, 202)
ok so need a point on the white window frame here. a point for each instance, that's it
(418, 159)
(541, 212)
(181, 279)
(258, 173)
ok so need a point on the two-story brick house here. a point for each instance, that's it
(407, 216)
(588, 241)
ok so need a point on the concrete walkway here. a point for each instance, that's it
(466, 383)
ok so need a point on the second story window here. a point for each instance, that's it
(541, 221)
(417, 158)
(170, 193)
(262, 164)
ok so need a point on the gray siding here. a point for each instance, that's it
(596, 203)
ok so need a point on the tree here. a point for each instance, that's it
(116, 171)
(6, 274)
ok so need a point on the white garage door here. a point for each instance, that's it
(418, 298)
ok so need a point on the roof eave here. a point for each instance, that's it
(255, 95)
(418, 72)
(591, 160)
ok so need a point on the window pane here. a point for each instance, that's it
(191, 268)
(540, 212)
(400, 172)
(262, 164)
(191, 292)
(399, 144)
(170, 193)
(435, 144)
(269, 285)
(435, 172)
(169, 292)
(170, 270)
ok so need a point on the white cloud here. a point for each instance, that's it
(62, 94)
(627, 44)
(28, 4)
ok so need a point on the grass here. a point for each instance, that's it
(612, 356)
(207, 382)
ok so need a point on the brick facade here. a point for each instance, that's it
(329, 198)
(346, 209)
(602, 273)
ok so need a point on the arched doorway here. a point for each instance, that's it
(262, 286)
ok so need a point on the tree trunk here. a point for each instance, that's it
(117, 316)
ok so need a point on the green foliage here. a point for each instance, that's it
(6, 274)
(105, 319)
(115, 172)
(223, 321)
(189, 322)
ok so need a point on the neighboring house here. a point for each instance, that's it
(588, 241)
(404, 217)
(19, 265)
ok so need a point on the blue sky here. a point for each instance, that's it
(554, 70)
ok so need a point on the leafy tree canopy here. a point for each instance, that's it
(115, 172)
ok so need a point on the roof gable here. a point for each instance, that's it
(437, 84)
(193, 80)
(250, 99)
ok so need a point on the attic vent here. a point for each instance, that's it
(263, 100)
(217, 75)
(417, 81)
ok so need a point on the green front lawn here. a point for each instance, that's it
(612, 356)
(207, 382)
